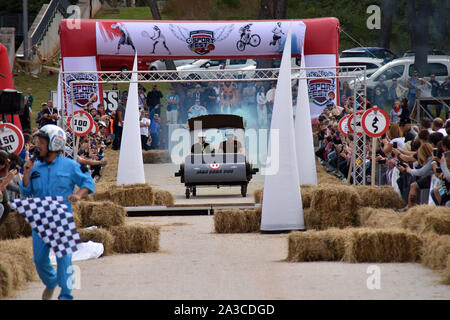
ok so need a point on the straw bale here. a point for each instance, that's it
(163, 198)
(14, 226)
(156, 156)
(435, 251)
(379, 197)
(426, 218)
(102, 214)
(382, 245)
(237, 220)
(446, 273)
(312, 219)
(99, 235)
(328, 245)
(136, 238)
(306, 190)
(16, 265)
(379, 218)
(337, 205)
(258, 194)
(127, 195)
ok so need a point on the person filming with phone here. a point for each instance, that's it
(440, 194)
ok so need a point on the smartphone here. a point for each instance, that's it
(447, 154)
(435, 152)
(394, 144)
(382, 161)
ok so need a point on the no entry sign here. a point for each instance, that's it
(81, 123)
(11, 138)
(375, 122)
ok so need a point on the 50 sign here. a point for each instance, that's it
(11, 138)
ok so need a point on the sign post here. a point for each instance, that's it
(375, 123)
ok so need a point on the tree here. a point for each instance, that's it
(389, 8)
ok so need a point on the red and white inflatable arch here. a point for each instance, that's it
(94, 44)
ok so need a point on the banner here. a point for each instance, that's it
(79, 94)
(322, 92)
(201, 39)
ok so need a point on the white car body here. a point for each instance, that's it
(190, 71)
(161, 65)
(371, 64)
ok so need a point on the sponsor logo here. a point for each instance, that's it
(82, 93)
(215, 166)
(201, 41)
(320, 90)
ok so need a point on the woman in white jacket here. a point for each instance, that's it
(261, 106)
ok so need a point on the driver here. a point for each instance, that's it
(201, 146)
(230, 145)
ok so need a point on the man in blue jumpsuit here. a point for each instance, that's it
(53, 175)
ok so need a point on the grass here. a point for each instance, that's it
(138, 13)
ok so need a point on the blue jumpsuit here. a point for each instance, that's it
(57, 178)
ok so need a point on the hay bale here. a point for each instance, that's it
(16, 265)
(312, 219)
(163, 198)
(237, 220)
(337, 206)
(306, 190)
(99, 235)
(426, 218)
(136, 238)
(328, 245)
(435, 251)
(379, 218)
(156, 156)
(14, 226)
(102, 214)
(446, 273)
(380, 197)
(127, 195)
(382, 245)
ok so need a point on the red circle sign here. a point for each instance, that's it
(343, 125)
(375, 122)
(94, 128)
(352, 126)
(81, 123)
(11, 138)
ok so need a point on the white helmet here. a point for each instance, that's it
(55, 135)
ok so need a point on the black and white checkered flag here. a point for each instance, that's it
(50, 218)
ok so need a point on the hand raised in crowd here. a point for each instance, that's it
(6, 180)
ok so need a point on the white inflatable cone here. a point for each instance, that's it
(303, 133)
(282, 204)
(131, 166)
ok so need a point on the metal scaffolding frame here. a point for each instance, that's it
(358, 163)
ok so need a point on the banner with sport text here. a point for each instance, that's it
(225, 39)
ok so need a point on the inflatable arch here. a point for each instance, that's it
(86, 43)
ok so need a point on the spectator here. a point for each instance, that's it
(445, 92)
(435, 93)
(261, 106)
(144, 127)
(154, 98)
(412, 85)
(438, 126)
(249, 98)
(118, 122)
(25, 118)
(141, 97)
(396, 91)
(210, 98)
(382, 96)
(48, 115)
(101, 110)
(173, 101)
(197, 93)
(346, 92)
(404, 116)
(441, 194)
(155, 131)
(227, 96)
(270, 97)
(424, 91)
(197, 110)
(396, 111)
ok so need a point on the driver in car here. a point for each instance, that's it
(201, 146)
(231, 145)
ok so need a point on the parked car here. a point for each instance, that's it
(161, 65)
(433, 52)
(402, 69)
(190, 71)
(369, 52)
(371, 64)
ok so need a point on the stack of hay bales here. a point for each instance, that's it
(16, 265)
(379, 218)
(379, 197)
(135, 195)
(354, 245)
(156, 156)
(426, 218)
(306, 190)
(111, 231)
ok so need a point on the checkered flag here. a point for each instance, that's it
(50, 218)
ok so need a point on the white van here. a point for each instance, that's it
(403, 68)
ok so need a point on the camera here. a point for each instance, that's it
(435, 152)
(400, 163)
(394, 145)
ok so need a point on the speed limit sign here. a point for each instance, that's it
(354, 123)
(343, 125)
(11, 138)
(94, 128)
(81, 123)
(375, 122)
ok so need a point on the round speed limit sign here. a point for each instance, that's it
(343, 125)
(11, 138)
(81, 123)
(375, 122)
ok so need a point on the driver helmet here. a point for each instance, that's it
(55, 135)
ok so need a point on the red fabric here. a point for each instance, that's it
(6, 81)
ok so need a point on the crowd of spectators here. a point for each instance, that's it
(413, 159)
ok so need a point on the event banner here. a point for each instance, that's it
(79, 88)
(202, 39)
(322, 91)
